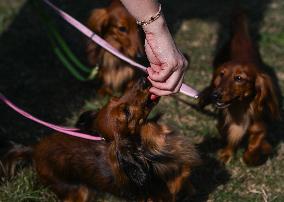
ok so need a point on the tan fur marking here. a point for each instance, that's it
(81, 195)
(153, 135)
(235, 134)
(176, 185)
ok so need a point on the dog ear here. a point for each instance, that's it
(85, 120)
(98, 20)
(266, 96)
(133, 167)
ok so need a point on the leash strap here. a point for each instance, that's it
(69, 131)
(185, 89)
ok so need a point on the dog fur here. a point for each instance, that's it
(245, 95)
(118, 28)
(138, 160)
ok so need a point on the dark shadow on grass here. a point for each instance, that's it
(217, 11)
(211, 174)
(275, 133)
(208, 176)
(33, 77)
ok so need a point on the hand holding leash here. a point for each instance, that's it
(167, 64)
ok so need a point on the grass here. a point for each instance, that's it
(196, 37)
(24, 188)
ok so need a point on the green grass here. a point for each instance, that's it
(198, 39)
(24, 188)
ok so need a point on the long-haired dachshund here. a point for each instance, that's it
(118, 28)
(244, 94)
(138, 160)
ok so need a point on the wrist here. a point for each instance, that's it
(157, 26)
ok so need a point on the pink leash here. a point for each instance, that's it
(185, 89)
(69, 131)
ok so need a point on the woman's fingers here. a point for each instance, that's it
(170, 84)
(159, 92)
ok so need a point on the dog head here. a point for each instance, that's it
(117, 27)
(120, 121)
(125, 115)
(233, 82)
(237, 82)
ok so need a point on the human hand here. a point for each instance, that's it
(167, 64)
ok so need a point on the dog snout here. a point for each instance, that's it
(216, 96)
(139, 55)
(145, 83)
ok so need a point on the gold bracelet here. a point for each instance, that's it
(152, 19)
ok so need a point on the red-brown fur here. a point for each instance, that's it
(244, 94)
(118, 28)
(139, 160)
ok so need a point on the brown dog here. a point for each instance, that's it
(138, 160)
(118, 28)
(244, 95)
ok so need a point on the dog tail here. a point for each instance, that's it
(242, 46)
(16, 154)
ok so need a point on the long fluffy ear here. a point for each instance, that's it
(133, 167)
(266, 96)
(86, 120)
(98, 20)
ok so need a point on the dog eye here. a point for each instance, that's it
(122, 29)
(238, 78)
(221, 74)
(126, 111)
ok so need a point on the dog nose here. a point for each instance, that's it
(145, 83)
(139, 55)
(142, 59)
(216, 95)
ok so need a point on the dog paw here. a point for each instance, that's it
(225, 156)
(254, 158)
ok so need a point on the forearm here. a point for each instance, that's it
(141, 9)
